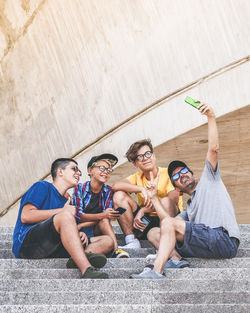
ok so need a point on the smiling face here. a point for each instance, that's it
(145, 161)
(186, 182)
(70, 174)
(99, 172)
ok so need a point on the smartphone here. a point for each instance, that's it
(192, 102)
(121, 210)
(145, 220)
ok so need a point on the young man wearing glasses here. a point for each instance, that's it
(46, 226)
(207, 228)
(94, 202)
(133, 220)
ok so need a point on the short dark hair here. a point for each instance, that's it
(131, 154)
(60, 163)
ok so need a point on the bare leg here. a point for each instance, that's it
(126, 220)
(100, 244)
(154, 238)
(104, 228)
(66, 226)
(170, 230)
(172, 210)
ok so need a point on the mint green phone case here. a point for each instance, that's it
(191, 101)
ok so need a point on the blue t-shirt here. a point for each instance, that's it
(44, 196)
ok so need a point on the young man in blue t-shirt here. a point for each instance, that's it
(46, 226)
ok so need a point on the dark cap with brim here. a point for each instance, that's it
(173, 165)
(112, 159)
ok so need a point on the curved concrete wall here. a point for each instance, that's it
(72, 71)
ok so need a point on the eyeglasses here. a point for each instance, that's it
(176, 176)
(146, 155)
(76, 169)
(104, 169)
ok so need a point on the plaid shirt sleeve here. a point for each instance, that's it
(78, 201)
(109, 199)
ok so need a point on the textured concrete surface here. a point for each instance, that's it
(175, 308)
(47, 286)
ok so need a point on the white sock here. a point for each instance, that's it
(129, 238)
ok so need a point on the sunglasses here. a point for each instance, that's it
(146, 155)
(104, 169)
(76, 169)
(176, 176)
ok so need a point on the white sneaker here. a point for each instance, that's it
(134, 244)
(151, 257)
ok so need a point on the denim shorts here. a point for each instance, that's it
(43, 241)
(202, 241)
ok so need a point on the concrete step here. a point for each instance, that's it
(125, 297)
(118, 264)
(182, 285)
(6, 253)
(36, 269)
(47, 286)
(7, 236)
(244, 228)
(124, 273)
(149, 308)
(140, 253)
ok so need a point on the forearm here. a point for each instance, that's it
(127, 187)
(92, 217)
(213, 142)
(213, 137)
(86, 224)
(36, 216)
(147, 210)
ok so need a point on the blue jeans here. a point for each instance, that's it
(202, 241)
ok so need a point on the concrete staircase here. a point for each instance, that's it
(47, 286)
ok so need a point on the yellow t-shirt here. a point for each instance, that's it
(164, 185)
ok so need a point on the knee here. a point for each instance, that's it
(65, 216)
(169, 206)
(119, 196)
(108, 242)
(104, 221)
(167, 224)
(153, 234)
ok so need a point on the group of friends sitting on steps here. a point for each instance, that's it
(53, 224)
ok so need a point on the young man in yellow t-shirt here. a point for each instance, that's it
(133, 221)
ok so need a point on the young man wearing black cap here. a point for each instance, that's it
(207, 228)
(94, 201)
(46, 225)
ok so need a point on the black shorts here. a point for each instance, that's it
(154, 222)
(43, 241)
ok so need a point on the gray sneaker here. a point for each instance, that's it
(147, 273)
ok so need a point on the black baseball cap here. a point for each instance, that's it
(173, 165)
(105, 156)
